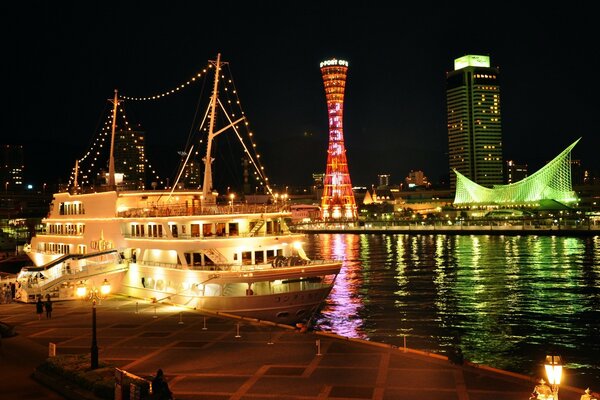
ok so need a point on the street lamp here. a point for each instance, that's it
(554, 371)
(94, 295)
(231, 197)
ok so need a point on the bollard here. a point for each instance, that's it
(136, 307)
(204, 327)
(270, 337)
(238, 331)
(155, 316)
(319, 347)
(405, 343)
(180, 320)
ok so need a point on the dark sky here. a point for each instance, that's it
(62, 60)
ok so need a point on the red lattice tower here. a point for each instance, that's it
(338, 199)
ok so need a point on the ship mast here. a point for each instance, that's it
(207, 184)
(111, 160)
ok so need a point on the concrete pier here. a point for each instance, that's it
(207, 356)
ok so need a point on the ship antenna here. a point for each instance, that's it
(207, 184)
(111, 160)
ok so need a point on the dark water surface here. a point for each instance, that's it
(506, 301)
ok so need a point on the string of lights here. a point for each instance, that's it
(170, 91)
(259, 169)
(88, 168)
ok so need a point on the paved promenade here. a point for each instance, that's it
(217, 357)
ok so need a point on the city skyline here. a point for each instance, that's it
(395, 110)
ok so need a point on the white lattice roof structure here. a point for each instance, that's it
(552, 182)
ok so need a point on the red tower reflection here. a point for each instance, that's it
(338, 199)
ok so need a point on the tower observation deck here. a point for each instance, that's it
(338, 199)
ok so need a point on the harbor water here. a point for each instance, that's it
(505, 301)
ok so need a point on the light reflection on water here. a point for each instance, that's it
(506, 301)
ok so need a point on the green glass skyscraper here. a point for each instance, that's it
(474, 121)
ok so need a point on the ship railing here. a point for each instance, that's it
(184, 209)
(233, 267)
(187, 236)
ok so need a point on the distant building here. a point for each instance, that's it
(551, 183)
(384, 180)
(416, 178)
(378, 196)
(130, 158)
(318, 179)
(515, 172)
(305, 212)
(577, 173)
(474, 121)
(11, 167)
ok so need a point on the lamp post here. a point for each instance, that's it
(95, 296)
(231, 197)
(554, 371)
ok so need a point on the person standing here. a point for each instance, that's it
(39, 308)
(160, 387)
(48, 307)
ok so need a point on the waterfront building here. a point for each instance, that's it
(338, 200)
(192, 175)
(130, 158)
(11, 167)
(551, 182)
(384, 180)
(474, 121)
(514, 171)
(416, 178)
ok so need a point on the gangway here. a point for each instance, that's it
(58, 278)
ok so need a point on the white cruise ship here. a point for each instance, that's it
(178, 247)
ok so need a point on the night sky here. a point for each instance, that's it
(62, 62)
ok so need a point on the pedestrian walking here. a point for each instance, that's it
(48, 307)
(39, 308)
(160, 387)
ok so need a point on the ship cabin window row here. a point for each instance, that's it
(65, 229)
(200, 230)
(257, 257)
(54, 248)
(197, 259)
(71, 208)
(196, 230)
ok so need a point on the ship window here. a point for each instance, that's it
(246, 257)
(208, 262)
(259, 257)
(269, 227)
(233, 229)
(195, 230)
(220, 229)
(207, 229)
(174, 230)
(270, 255)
